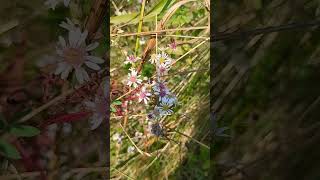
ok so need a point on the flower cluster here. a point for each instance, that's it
(165, 101)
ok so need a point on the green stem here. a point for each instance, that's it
(140, 26)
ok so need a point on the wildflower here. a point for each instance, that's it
(163, 59)
(170, 97)
(161, 90)
(153, 58)
(53, 3)
(68, 25)
(133, 79)
(138, 134)
(151, 116)
(98, 107)
(156, 129)
(173, 45)
(143, 95)
(131, 149)
(117, 137)
(74, 54)
(154, 114)
(166, 105)
(131, 59)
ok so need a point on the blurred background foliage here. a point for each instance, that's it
(265, 90)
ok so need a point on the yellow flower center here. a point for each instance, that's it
(162, 60)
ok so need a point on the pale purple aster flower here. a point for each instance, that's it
(74, 54)
(160, 89)
(154, 114)
(131, 59)
(131, 149)
(143, 95)
(156, 129)
(133, 79)
(165, 106)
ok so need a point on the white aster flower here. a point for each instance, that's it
(143, 95)
(163, 59)
(74, 54)
(53, 3)
(163, 62)
(131, 59)
(133, 78)
(117, 137)
(131, 149)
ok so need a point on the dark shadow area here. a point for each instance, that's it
(265, 90)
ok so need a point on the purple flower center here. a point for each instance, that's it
(162, 86)
(162, 93)
(132, 58)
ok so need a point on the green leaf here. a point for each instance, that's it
(123, 18)
(9, 150)
(24, 131)
(117, 102)
(113, 109)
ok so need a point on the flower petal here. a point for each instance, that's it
(92, 46)
(79, 75)
(61, 67)
(95, 121)
(95, 59)
(85, 75)
(62, 42)
(92, 65)
(91, 105)
(66, 71)
(66, 3)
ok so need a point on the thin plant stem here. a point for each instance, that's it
(140, 26)
(138, 149)
(200, 143)
(123, 173)
(147, 33)
(190, 51)
(45, 106)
